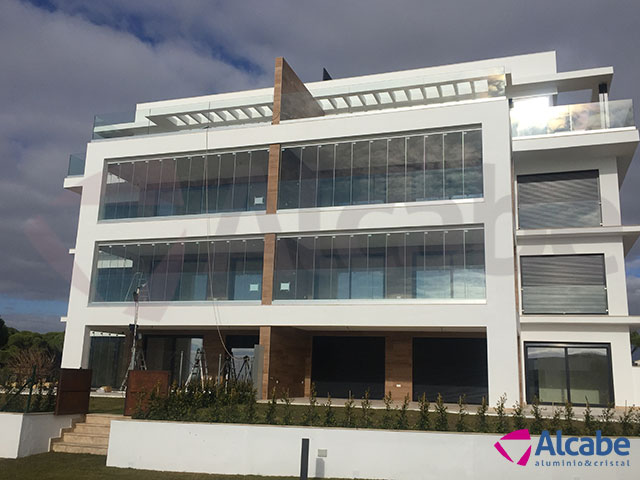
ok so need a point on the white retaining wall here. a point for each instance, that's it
(350, 453)
(27, 434)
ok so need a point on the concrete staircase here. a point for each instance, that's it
(90, 436)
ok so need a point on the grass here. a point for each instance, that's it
(63, 466)
(113, 406)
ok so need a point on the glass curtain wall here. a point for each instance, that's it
(569, 373)
(179, 271)
(188, 185)
(412, 168)
(428, 264)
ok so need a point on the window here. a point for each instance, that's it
(431, 264)
(552, 200)
(575, 373)
(430, 166)
(186, 185)
(179, 271)
(564, 284)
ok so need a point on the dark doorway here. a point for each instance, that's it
(348, 364)
(451, 367)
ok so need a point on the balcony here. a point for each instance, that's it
(532, 120)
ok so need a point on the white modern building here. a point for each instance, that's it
(450, 229)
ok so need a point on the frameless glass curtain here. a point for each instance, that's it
(412, 168)
(180, 271)
(569, 373)
(434, 264)
(227, 182)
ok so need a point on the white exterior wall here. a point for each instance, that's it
(615, 335)
(350, 453)
(27, 434)
(497, 313)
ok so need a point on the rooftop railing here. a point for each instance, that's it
(536, 120)
(76, 164)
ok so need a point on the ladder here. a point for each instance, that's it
(199, 368)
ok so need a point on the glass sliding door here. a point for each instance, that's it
(575, 373)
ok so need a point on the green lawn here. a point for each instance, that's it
(114, 406)
(65, 466)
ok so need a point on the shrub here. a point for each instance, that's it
(402, 421)
(349, 413)
(366, 420)
(519, 422)
(424, 422)
(590, 423)
(329, 414)
(287, 415)
(442, 420)
(502, 423)
(387, 415)
(270, 415)
(626, 421)
(462, 414)
(555, 423)
(310, 416)
(250, 413)
(569, 420)
(538, 423)
(606, 419)
(481, 416)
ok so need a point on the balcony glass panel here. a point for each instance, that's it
(434, 166)
(179, 271)
(431, 264)
(543, 120)
(187, 185)
(76, 164)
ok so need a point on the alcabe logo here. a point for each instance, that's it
(515, 435)
(585, 448)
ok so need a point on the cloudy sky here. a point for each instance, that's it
(62, 61)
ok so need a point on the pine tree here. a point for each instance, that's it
(555, 423)
(538, 423)
(462, 414)
(270, 415)
(387, 415)
(366, 421)
(349, 412)
(519, 421)
(402, 422)
(590, 423)
(287, 415)
(626, 421)
(481, 416)
(502, 423)
(424, 422)
(606, 420)
(442, 420)
(569, 420)
(329, 414)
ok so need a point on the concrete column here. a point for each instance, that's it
(502, 362)
(77, 343)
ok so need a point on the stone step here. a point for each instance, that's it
(101, 419)
(78, 448)
(91, 429)
(86, 439)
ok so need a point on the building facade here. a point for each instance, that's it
(450, 230)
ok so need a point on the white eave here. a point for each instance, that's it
(629, 234)
(562, 82)
(73, 183)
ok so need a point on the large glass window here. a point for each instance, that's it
(186, 185)
(572, 373)
(430, 264)
(431, 166)
(179, 271)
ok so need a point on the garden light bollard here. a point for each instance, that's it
(304, 460)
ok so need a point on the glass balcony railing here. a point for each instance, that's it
(76, 164)
(536, 120)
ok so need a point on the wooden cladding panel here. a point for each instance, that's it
(273, 178)
(267, 268)
(140, 385)
(291, 99)
(73, 393)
